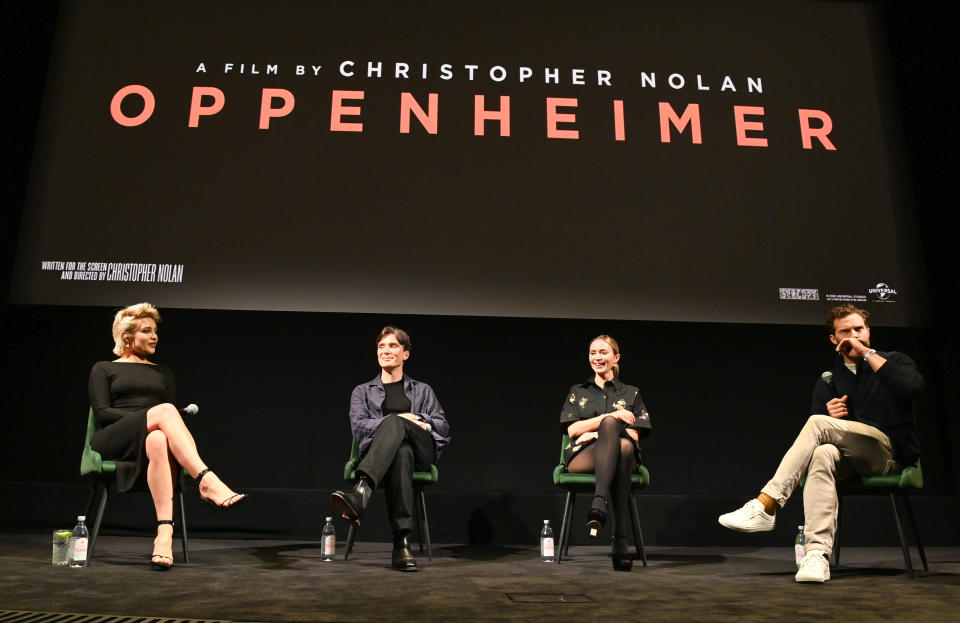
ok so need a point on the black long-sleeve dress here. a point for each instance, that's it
(121, 393)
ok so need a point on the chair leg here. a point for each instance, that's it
(416, 517)
(567, 525)
(89, 506)
(903, 540)
(183, 527)
(916, 532)
(351, 534)
(637, 530)
(558, 544)
(426, 528)
(96, 522)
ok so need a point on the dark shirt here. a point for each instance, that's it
(883, 399)
(586, 400)
(396, 401)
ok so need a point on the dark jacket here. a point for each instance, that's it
(883, 399)
(366, 411)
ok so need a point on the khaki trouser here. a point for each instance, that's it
(827, 450)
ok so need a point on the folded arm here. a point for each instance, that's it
(432, 413)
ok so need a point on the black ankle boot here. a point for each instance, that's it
(352, 503)
(597, 515)
(402, 558)
(620, 554)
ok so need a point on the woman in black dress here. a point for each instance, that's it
(605, 418)
(139, 427)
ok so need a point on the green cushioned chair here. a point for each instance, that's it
(420, 480)
(895, 486)
(575, 483)
(102, 473)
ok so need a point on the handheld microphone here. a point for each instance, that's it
(827, 378)
(190, 409)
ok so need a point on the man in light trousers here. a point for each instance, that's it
(861, 423)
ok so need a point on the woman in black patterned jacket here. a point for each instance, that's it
(605, 418)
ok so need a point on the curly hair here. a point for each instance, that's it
(127, 320)
(842, 311)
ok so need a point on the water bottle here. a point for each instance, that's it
(329, 538)
(547, 552)
(799, 546)
(78, 543)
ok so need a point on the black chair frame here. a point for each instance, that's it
(565, 528)
(102, 484)
(895, 495)
(423, 529)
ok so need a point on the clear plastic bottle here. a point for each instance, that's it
(799, 546)
(329, 538)
(547, 551)
(78, 543)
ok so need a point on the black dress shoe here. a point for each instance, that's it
(402, 558)
(352, 503)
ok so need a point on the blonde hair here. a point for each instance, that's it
(616, 349)
(127, 320)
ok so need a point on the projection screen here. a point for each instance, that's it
(694, 161)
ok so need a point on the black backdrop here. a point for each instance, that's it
(725, 398)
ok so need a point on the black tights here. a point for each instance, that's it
(611, 458)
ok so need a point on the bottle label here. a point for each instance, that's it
(547, 547)
(799, 551)
(80, 550)
(329, 545)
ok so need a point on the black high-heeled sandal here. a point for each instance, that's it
(226, 504)
(620, 555)
(162, 562)
(597, 515)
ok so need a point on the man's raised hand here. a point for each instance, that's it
(837, 407)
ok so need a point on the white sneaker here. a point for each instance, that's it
(751, 518)
(813, 568)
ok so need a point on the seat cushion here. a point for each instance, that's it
(569, 480)
(911, 476)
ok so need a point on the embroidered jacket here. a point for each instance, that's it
(586, 400)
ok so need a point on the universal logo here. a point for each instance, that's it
(882, 293)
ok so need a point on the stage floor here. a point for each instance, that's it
(278, 581)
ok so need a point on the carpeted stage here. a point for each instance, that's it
(273, 580)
